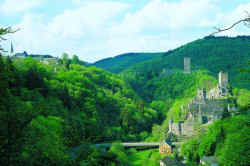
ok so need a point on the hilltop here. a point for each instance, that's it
(230, 54)
(120, 62)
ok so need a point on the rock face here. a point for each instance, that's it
(206, 107)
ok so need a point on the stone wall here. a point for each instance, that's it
(199, 111)
(206, 107)
(174, 128)
(182, 128)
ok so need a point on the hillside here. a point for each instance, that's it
(50, 108)
(119, 63)
(229, 54)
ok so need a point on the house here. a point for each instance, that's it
(165, 147)
(20, 55)
(46, 59)
(168, 161)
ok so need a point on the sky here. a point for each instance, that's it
(97, 29)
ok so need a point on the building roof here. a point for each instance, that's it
(168, 161)
(40, 56)
(168, 141)
(36, 56)
(24, 54)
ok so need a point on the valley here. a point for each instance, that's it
(181, 107)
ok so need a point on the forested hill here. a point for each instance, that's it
(52, 108)
(230, 54)
(121, 62)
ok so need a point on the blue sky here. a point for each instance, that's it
(97, 29)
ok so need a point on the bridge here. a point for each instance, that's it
(106, 146)
(131, 144)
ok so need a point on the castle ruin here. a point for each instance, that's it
(206, 107)
(187, 65)
(222, 88)
(223, 79)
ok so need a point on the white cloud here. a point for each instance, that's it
(162, 15)
(224, 20)
(33, 35)
(238, 12)
(73, 31)
(100, 29)
(155, 43)
(16, 6)
(89, 18)
(76, 2)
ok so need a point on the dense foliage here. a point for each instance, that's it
(227, 140)
(166, 93)
(119, 63)
(228, 54)
(46, 110)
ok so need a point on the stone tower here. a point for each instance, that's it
(223, 79)
(223, 82)
(187, 65)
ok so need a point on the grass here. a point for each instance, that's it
(146, 157)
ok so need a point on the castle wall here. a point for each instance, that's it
(174, 128)
(187, 128)
(182, 128)
(206, 107)
(199, 112)
(212, 110)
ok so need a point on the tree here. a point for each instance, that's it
(75, 59)
(190, 150)
(43, 142)
(3, 32)
(65, 57)
(65, 60)
(245, 20)
(121, 156)
(236, 149)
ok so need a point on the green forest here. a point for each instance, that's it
(228, 139)
(121, 62)
(56, 113)
(47, 113)
(215, 54)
